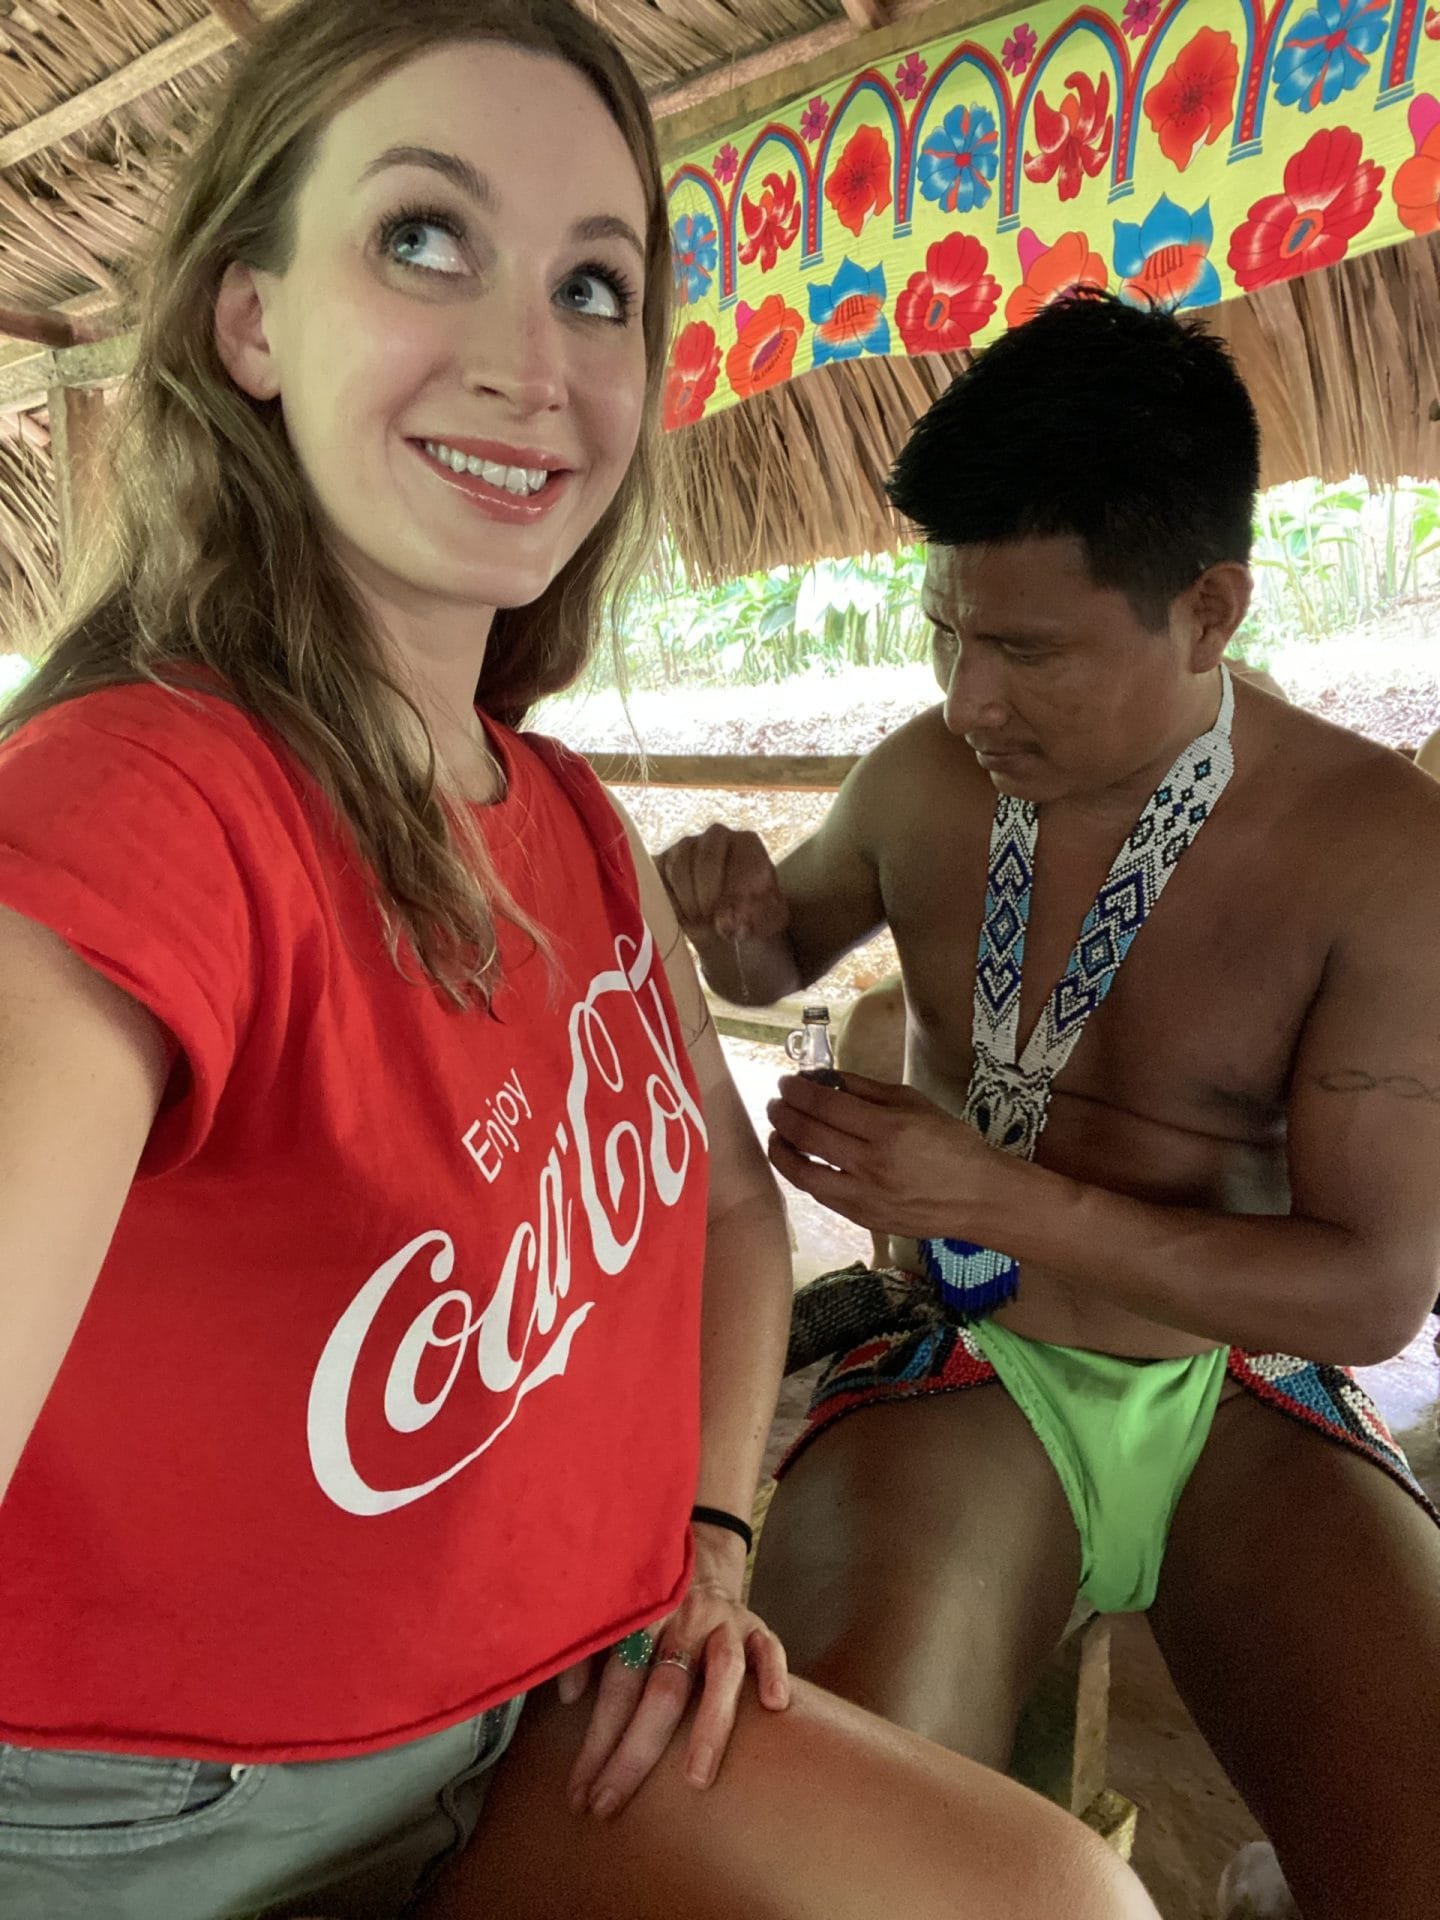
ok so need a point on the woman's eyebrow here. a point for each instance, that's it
(455, 169)
(469, 179)
(608, 226)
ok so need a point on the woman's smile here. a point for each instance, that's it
(513, 485)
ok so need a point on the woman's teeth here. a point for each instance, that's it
(513, 479)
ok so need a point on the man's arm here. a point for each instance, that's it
(1348, 1276)
(762, 931)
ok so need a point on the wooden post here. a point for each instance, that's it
(1092, 1716)
(77, 441)
(1061, 1742)
(239, 16)
(866, 15)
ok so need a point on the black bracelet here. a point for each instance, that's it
(716, 1517)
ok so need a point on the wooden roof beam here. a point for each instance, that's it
(729, 96)
(228, 21)
(28, 383)
(94, 312)
(805, 60)
(53, 329)
(166, 62)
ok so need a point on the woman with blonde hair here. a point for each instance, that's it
(392, 1292)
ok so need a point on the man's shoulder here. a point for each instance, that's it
(1360, 816)
(1333, 768)
(910, 766)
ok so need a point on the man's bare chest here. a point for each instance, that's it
(1200, 1026)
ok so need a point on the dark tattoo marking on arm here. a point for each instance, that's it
(1401, 1086)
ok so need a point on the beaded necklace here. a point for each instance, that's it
(1009, 1097)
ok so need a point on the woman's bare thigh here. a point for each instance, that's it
(819, 1813)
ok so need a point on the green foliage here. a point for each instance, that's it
(1327, 558)
(770, 626)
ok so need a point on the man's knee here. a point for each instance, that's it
(872, 1040)
(895, 1604)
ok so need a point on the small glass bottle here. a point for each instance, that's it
(810, 1049)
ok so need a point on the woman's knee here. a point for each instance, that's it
(822, 1812)
(860, 1818)
(1069, 1871)
(957, 1837)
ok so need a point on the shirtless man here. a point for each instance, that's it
(1239, 1162)
(871, 1037)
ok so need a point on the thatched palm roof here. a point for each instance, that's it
(1344, 366)
(99, 97)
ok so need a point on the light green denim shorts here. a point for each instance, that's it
(108, 1836)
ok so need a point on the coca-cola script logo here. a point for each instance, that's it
(626, 1142)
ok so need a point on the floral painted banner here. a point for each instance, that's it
(1180, 152)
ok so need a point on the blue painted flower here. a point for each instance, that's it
(848, 316)
(696, 247)
(959, 160)
(1328, 50)
(1164, 262)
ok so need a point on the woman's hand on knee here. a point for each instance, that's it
(701, 1655)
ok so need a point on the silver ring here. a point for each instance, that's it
(676, 1659)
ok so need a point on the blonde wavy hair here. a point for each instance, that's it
(216, 567)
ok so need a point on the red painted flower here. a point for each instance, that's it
(859, 183)
(1432, 24)
(771, 222)
(814, 120)
(691, 376)
(1330, 194)
(910, 77)
(1416, 185)
(1195, 101)
(1051, 272)
(942, 309)
(1019, 50)
(727, 161)
(764, 351)
(1140, 16)
(1076, 138)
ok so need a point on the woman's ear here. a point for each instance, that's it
(1217, 605)
(241, 338)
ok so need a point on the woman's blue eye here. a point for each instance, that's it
(597, 294)
(425, 244)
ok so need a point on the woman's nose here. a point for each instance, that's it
(517, 352)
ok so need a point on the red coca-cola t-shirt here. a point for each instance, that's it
(385, 1405)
